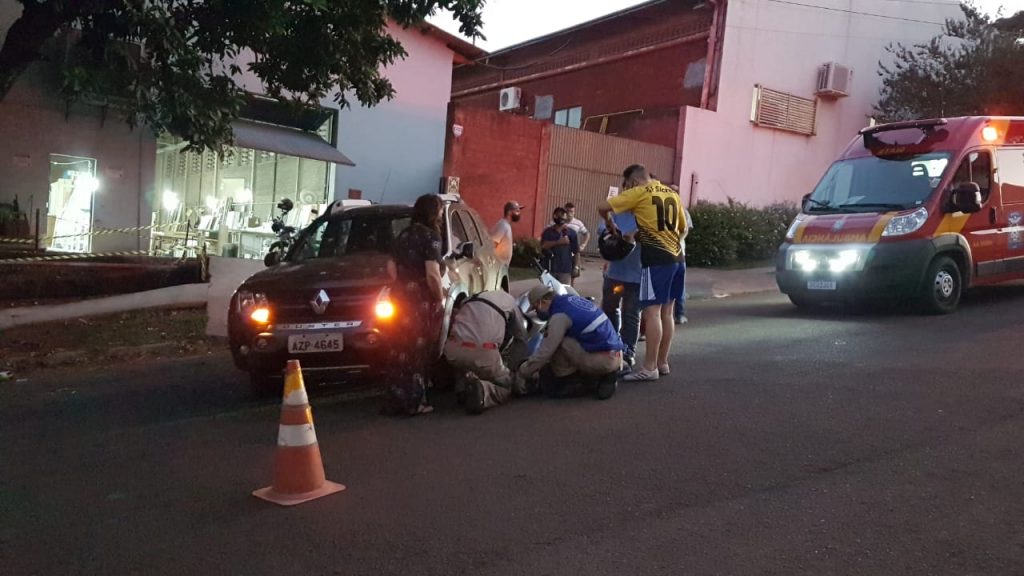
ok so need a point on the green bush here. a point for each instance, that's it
(525, 251)
(731, 233)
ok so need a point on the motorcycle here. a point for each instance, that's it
(535, 327)
(285, 234)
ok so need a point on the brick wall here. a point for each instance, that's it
(651, 82)
(498, 158)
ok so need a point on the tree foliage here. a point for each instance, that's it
(972, 68)
(177, 65)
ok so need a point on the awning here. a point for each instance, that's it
(271, 138)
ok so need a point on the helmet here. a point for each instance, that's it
(613, 246)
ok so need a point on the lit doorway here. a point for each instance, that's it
(69, 211)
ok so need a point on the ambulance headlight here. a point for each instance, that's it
(804, 260)
(844, 260)
(906, 223)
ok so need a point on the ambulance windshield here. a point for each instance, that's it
(879, 184)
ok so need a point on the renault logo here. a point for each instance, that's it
(320, 303)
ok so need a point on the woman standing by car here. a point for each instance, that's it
(417, 293)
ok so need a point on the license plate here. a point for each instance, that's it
(314, 343)
(821, 284)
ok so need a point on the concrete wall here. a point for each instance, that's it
(781, 47)
(34, 124)
(398, 145)
(500, 158)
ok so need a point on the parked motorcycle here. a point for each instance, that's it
(285, 234)
(535, 329)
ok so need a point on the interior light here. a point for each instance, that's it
(989, 134)
(170, 201)
(211, 202)
(260, 315)
(384, 309)
(245, 196)
(87, 182)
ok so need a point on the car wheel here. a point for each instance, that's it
(265, 386)
(942, 287)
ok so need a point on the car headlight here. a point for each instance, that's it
(246, 300)
(843, 261)
(791, 232)
(260, 315)
(906, 223)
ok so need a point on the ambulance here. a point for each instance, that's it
(918, 211)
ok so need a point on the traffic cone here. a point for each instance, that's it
(298, 469)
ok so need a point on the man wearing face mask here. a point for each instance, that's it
(581, 351)
(501, 234)
(561, 247)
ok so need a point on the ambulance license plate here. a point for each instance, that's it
(314, 343)
(821, 284)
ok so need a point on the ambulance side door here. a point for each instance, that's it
(1010, 163)
(982, 229)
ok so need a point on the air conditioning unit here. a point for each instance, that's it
(834, 80)
(511, 99)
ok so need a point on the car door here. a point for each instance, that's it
(1010, 169)
(470, 269)
(982, 229)
(491, 272)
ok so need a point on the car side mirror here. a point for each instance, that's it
(804, 201)
(966, 197)
(468, 250)
(271, 259)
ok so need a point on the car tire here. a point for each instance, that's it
(264, 386)
(943, 286)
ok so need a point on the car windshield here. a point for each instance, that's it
(352, 233)
(878, 184)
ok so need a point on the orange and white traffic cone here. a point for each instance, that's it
(298, 469)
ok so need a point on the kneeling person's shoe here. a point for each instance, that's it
(606, 386)
(475, 402)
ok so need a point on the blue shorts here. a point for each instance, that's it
(661, 284)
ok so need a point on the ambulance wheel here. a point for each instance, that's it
(942, 286)
(800, 301)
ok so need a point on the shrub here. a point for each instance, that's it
(733, 232)
(525, 251)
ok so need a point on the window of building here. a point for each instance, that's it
(977, 168)
(1011, 175)
(571, 117)
(782, 111)
(231, 198)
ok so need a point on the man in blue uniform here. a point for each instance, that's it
(581, 350)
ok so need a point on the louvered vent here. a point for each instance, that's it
(782, 111)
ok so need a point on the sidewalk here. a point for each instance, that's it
(701, 283)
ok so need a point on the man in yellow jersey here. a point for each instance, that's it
(660, 221)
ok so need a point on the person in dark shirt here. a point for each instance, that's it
(560, 246)
(415, 268)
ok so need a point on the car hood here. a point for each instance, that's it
(841, 228)
(357, 270)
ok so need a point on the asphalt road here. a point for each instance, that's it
(783, 443)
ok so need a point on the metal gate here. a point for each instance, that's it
(583, 165)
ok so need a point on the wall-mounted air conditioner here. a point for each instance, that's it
(834, 80)
(511, 99)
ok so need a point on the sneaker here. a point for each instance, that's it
(641, 376)
(682, 320)
(664, 370)
(475, 397)
(606, 386)
(629, 361)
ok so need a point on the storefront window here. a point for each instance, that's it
(228, 201)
